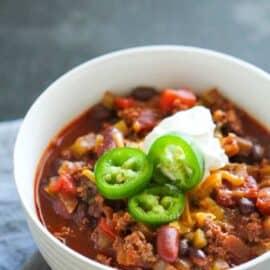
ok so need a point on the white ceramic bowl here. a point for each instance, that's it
(71, 94)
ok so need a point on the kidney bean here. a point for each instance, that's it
(168, 243)
(143, 93)
(198, 257)
(246, 206)
(183, 247)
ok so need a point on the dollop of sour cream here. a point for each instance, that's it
(198, 124)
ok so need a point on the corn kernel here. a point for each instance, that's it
(199, 239)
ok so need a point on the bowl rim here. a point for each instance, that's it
(99, 60)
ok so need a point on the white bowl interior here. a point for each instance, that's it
(159, 66)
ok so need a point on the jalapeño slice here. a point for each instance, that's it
(157, 205)
(177, 160)
(122, 172)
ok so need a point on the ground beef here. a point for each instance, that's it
(121, 222)
(249, 228)
(80, 216)
(254, 231)
(263, 247)
(96, 206)
(215, 237)
(234, 123)
(215, 101)
(63, 233)
(140, 119)
(225, 245)
(103, 259)
(102, 241)
(230, 120)
(149, 232)
(86, 189)
(134, 250)
(71, 167)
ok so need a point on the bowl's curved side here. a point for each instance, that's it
(57, 256)
(159, 66)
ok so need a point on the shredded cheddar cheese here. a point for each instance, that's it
(214, 180)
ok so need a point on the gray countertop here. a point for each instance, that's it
(16, 245)
(40, 40)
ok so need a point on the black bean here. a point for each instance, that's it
(93, 222)
(183, 247)
(257, 152)
(101, 113)
(246, 206)
(143, 93)
(198, 256)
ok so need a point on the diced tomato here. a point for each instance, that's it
(54, 186)
(64, 183)
(263, 200)
(123, 103)
(176, 99)
(228, 196)
(106, 228)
